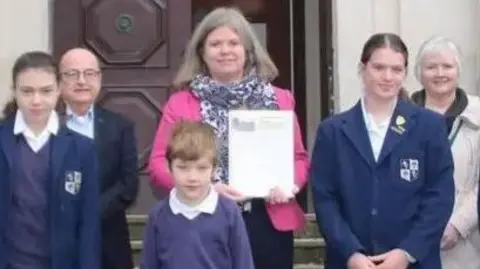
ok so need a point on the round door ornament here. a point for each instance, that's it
(124, 23)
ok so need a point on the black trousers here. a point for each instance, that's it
(271, 249)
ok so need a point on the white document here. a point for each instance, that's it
(261, 151)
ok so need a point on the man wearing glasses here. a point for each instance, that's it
(114, 139)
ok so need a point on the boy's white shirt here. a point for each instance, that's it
(35, 142)
(208, 205)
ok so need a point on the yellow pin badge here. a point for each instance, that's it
(398, 127)
(400, 120)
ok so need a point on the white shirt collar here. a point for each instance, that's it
(71, 113)
(208, 205)
(21, 127)
(376, 132)
(370, 122)
(36, 142)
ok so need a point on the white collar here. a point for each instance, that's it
(71, 113)
(368, 117)
(21, 127)
(208, 205)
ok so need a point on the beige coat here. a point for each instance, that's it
(466, 155)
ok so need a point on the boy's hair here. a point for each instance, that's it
(190, 141)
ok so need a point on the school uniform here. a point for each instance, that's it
(211, 235)
(49, 198)
(372, 199)
(116, 147)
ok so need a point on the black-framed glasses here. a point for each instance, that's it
(74, 74)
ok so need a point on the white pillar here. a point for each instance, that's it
(457, 20)
(24, 26)
(353, 24)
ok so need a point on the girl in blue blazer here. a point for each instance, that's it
(49, 203)
(382, 172)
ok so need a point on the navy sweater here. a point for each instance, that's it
(209, 241)
(28, 235)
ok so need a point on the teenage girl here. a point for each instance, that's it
(49, 203)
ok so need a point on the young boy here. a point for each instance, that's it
(194, 227)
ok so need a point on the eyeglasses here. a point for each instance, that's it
(74, 74)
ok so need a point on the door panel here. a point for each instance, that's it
(132, 39)
(139, 44)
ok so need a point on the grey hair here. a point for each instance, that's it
(433, 44)
(256, 56)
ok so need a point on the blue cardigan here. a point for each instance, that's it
(403, 200)
(74, 218)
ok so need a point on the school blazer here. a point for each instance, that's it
(74, 218)
(183, 105)
(403, 200)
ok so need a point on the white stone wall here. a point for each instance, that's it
(24, 25)
(415, 21)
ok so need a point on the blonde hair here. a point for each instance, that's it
(190, 141)
(256, 55)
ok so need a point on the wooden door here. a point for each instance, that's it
(139, 44)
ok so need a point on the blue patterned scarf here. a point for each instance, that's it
(217, 99)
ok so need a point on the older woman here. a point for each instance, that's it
(225, 67)
(437, 69)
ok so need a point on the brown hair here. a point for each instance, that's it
(256, 56)
(403, 94)
(383, 40)
(28, 60)
(190, 141)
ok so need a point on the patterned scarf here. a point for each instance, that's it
(217, 99)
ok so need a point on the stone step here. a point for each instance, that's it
(137, 224)
(309, 246)
(308, 266)
(306, 251)
(309, 250)
(311, 228)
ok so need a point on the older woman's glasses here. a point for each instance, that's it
(73, 75)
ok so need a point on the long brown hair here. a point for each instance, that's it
(403, 94)
(384, 40)
(29, 60)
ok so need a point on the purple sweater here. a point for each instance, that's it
(217, 241)
(28, 226)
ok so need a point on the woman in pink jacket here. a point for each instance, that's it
(225, 67)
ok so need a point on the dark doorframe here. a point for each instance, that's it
(325, 28)
(299, 72)
(299, 78)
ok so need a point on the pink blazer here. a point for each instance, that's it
(184, 105)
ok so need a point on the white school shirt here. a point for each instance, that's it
(208, 205)
(376, 132)
(36, 142)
